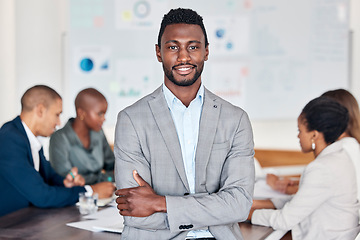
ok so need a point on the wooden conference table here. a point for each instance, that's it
(35, 223)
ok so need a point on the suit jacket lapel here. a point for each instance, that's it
(208, 124)
(19, 125)
(167, 128)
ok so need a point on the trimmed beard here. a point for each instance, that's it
(185, 82)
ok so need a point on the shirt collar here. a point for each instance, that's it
(171, 99)
(35, 143)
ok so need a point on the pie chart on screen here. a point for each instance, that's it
(86, 64)
(142, 9)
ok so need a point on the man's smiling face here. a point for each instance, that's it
(182, 53)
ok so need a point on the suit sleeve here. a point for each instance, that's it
(48, 173)
(128, 157)
(315, 189)
(20, 174)
(233, 201)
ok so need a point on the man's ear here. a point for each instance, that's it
(206, 53)
(40, 110)
(158, 53)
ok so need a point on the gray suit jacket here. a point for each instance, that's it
(146, 140)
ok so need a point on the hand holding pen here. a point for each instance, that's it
(73, 178)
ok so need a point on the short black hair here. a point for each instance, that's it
(38, 94)
(327, 116)
(181, 15)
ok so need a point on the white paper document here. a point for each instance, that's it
(107, 219)
(264, 191)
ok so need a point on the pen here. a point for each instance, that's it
(71, 173)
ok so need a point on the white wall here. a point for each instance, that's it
(38, 43)
(31, 38)
(32, 53)
(7, 60)
(355, 51)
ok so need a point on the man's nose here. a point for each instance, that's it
(183, 55)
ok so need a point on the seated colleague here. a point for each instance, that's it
(351, 141)
(26, 177)
(351, 137)
(346, 99)
(81, 142)
(325, 206)
(192, 151)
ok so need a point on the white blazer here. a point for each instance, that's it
(326, 205)
(352, 147)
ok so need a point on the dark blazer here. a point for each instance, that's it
(21, 185)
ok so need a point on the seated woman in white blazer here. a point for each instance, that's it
(351, 142)
(326, 205)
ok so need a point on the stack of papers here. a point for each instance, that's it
(264, 191)
(107, 219)
(105, 201)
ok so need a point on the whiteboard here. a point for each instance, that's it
(269, 57)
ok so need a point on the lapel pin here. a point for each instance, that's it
(215, 106)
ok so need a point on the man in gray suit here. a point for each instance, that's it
(184, 156)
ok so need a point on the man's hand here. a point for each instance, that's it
(139, 201)
(73, 179)
(103, 189)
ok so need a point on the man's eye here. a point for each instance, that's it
(173, 47)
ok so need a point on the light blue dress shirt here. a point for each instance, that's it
(187, 121)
